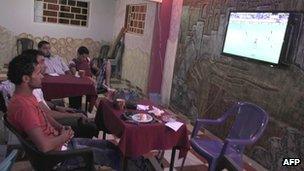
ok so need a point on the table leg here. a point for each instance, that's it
(86, 104)
(172, 158)
(124, 163)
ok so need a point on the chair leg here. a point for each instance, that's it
(124, 165)
(104, 135)
(86, 104)
(212, 165)
(172, 159)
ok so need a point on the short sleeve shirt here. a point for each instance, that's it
(55, 64)
(83, 64)
(25, 114)
(39, 96)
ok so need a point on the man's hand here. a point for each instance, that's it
(67, 127)
(70, 110)
(84, 119)
(67, 133)
(65, 109)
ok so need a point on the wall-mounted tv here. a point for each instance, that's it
(256, 35)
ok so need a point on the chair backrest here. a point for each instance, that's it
(8, 162)
(116, 59)
(35, 156)
(119, 49)
(2, 103)
(104, 51)
(250, 121)
(24, 44)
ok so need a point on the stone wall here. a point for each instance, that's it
(7, 44)
(65, 47)
(206, 83)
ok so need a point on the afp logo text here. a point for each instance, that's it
(291, 161)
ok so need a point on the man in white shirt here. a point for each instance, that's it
(54, 64)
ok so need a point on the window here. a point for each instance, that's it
(71, 12)
(136, 16)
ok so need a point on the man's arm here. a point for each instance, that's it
(58, 115)
(64, 66)
(59, 108)
(108, 72)
(48, 143)
(68, 72)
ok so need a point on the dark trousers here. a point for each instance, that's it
(105, 153)
(80, 128)
(75, 102)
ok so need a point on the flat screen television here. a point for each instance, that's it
(256, 35)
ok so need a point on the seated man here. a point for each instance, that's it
(78, 121)
(54, 64)
(100, 68)
(82, 62)
(27, 116)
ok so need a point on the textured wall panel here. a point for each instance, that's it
(206, 83)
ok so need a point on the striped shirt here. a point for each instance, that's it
(55, 64)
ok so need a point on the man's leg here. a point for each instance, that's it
(105, 153)
(92, 100)
(75, 102)
(87, 129)
(108, 73)
(83, 130)
(73, 122)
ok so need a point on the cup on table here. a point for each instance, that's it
(120, 104)
(81, 73)
(110, 94)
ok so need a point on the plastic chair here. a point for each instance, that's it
(8, 162)
(249, 125)
(116, 59)
(224, 163)
(2, 103)
(104, 51)
(50, 160)
(24, 44)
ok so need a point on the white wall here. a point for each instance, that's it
(133, 41)
(18, 16)
(137, 54)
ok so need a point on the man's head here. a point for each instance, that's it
(25, 71)
(83, 52)
(39, 57)
(45, 48)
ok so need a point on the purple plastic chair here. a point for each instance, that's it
(250, 123)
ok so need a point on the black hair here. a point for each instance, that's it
(83, 50)
(19, 66)
(32, 52)
(41, 43)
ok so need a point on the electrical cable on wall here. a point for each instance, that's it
(160, 37)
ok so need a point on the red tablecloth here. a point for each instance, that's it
(62, 86)
(136, 140)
